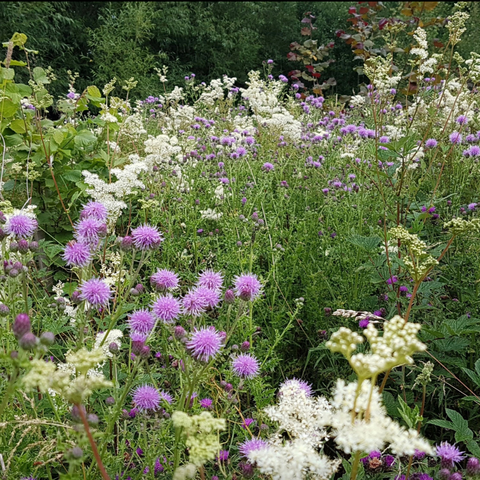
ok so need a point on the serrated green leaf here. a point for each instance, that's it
(442, 424)
(84, 138)
(369, 244)
(473, 447)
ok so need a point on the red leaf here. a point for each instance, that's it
(363, 10)
(310, 68)
(316, 75)
(352, 10)
(338, 33)
(292, 56)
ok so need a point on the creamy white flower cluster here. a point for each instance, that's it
(360, 422)
(161, 149)
(215, 91)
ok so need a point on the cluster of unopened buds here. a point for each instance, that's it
(27, 340)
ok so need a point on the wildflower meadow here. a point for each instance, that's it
(226, 280)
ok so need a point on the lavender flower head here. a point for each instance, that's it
(146, 237)
(205, 344)
(449, 454)
(431, 143)
(166, 308)
(95, 291)
(21, 226)
(206, 403)
(210, 279)
(211, 297)
(95, 210)
(146, 397)
(267, 166)
(247, 287)
(77, 254)
(249, 446)
(164, 280)
(141, 321)
(89, 230)
(194, 304)
(245, 366)
(166, 396)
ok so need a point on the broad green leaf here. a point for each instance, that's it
(13, 140)
(473, 447)
(93, 91)
(462, 432)
(17, 63)
(7, 108)
(85, 138)
(442, 424)
(58, 136)
(18, 126)
(40, 76)
(72, 175)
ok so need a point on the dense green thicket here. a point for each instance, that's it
(102, 40)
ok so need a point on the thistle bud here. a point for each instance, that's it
(21, 325)
(4, 310)
(47, 338)
(127, 243)
(75, 452)
(92, 419)
(23, 246)
(110, 401)
(113, 348)
(13, 247)
(179, 332)
(145, 351)
(28, 341)
(245, 346)
(229, 297)
(33, 246)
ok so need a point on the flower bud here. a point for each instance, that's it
(229, 297)
(127, 243)
(228, 387)
(23, 246)
(245, 346)
(21, 325)
(113, 348)
(13, 247)
(110, 401)
(4, 310)
(328, 311)
(13, 354)
(134, 292)
(92, 419)
(75, 412)
(234, 347)
(75, 452)
(75, 298)
(28, 341)
(33, 246)
(179, 332)
(444, 474)
(13, 273)
(473, 467)
(140, 288)
(137, 346)
(47, 338)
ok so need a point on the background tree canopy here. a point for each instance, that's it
(102, 40)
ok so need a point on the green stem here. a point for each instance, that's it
(355, 465)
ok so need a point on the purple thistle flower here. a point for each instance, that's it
(95, 210)
(267, 167)
(206, 403)
(146, 237)
(474, 151)
(194, 304)
(392, 280)
(364, 323)
(375, 454)
(473, 466)
(166, 396)
(389, 460)
(247, 286)
(146, 397)
(250, 445)
(158, 468)
(166, 308)
(301, 385)
(245, 366)
(138, 342)
(21, 226)
(246, 423)
(462, 120)
(455, 137)
(384, 139)
(211, 297)
(141, 321)
(471, 206)
(164, 280)
(205, 343)
(431, 143)
(210, 279)
(418, 455)
(223, 455)
(449, 454)
(77, 254)
(95, 291)
(89, 230)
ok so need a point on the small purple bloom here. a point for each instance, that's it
(210, 279)
(449, 454)
(194, 304)
(77, 254)
(431, 143)
(146, 237)
(21, 226)
(245, 366)
(95, 210)
(166, 308)
(206, 403)
(267, 167)
(455, 138)
(146, 397)
(141, 321)
(164, 280)
(247, 287)
(205, 343)
(250, 445)
(95, 291)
